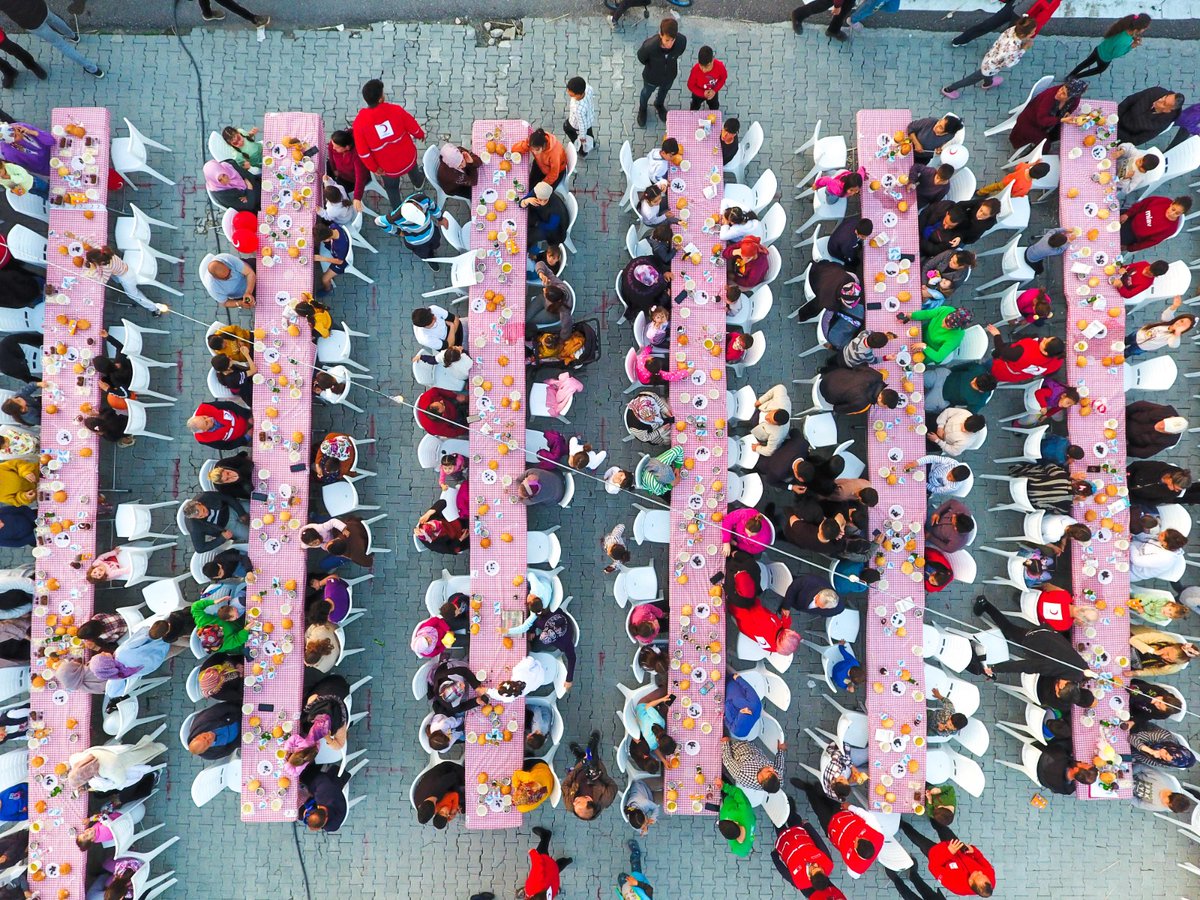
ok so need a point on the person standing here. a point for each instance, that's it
(206, 11)
(417, 221)
(1124, 34)
(1004, 54)
(659, 57)
(581, 115)
(633, 885)
(841, 11)
(383, 138)
(36, 18)
(12, 48)
(543, 878)
(707, 78)
(959, 868)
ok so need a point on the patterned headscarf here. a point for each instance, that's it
(217, 676)
(1075, 89)
(851, 293)
(960, 318)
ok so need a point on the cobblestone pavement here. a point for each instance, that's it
(1070, 849)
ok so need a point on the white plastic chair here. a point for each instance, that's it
(136, 424)
(572, 206)
(335, 349)
(209, 782)
(28, 204)
(429, 166)
(1182, 159)
(539, 405)
(543, 547)
(130, 155)
(1012, 265)
(28, 246)
(962, 185)
(142, 263)
(463, 272)
(825, 209)
(748, 148)
(456, 235)
(132, 521)
(638, 583)
(828, 154)
(1155, 374)
(652, 525)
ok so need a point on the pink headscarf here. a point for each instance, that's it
(108, 667)
(214, 169)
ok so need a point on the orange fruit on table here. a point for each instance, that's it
(284, 782)
(272, 412)
(294, 330)
(51, 408)
(40, 806)
(485, 542)
(294, 252)
(501, 205)
(505, 165)
(60, 496)
(286, 623)
(64, 868)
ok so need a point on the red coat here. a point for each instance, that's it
(760, 624)
(797, 850)
(700, 81)
(1148, 221)
(1039, 120)
(953, 869)
(845, 830)
(383, 138)
(1054, 609)
(1032, 363)
(543, 874)
(1137, 278)
(436, 424)
(231, 426)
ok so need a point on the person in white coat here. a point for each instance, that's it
(528, 676)
(111, 767)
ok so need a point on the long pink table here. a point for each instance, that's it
(496, 330)
(697, 619)
(1099, 569)
(284, 354)
(896, 702)
(67, 498)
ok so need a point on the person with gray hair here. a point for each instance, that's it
(213, 518)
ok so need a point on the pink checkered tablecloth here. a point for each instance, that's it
(697, 620)
(896, 701)
(67, 496)
(496, 330)
(281, 447)
(1095, 323)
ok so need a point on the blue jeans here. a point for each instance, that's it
(55, 31)
(40, 188)
(647, 90)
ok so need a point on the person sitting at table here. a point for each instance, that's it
(645, 622)
(111, 767)
(1151, 428)
(229, 280)
(749, 767)
(333, 249)
(216, 731)
(855, 833)
(958, 867)
(221, 424)
(850, 392)
(657, 474)
(1153, 745)
(1155, 481)
(219, 620)
(847, 672)
(812, 595)
(737, 224)
(323, 806)
(1157, 607)
(1145, 114)
(957, 430)
(549, 157)
(230, 188)
(248, 152)
(548, 218)
(539, 486)
(1159, 653)
(213, 518)
(728, 139)
(949, 527)
(940, 226)
(18, 482)
(552, 308)
(438, 794)
(661, 158)
(652, 206)
(345, 536)
(457, 171)
(1043, 116)
(847, 240)
(322, 646)
(587, 786)
(747, 529)
(840, 769)
(944, 475)
(652, 369)
(1155, 555)
(929, 134)
(334, 459)
(748, 263)
(221, 677)
(228, 340)
(966, 385)
(1153, 791)
(550, 630)
(233, 476)
(644, 281)
(17, 526)
(1133, 168)
(931, 184)
(942, 274)
(1165, 333)
(1152, 220)
(771, 632)
(453, 688)
(743, 707)
(442, 413)
(1014, 362)
(1152, 702)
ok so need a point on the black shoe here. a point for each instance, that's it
(541, 832)
(74, 39)
(576, 750)
(39, 72)
(980, 604)
(641, 118)
(837, 36)
(214, 16)
(662, 113)
(262, 21)
(8, 79)
(797, 783)
(798, 26)
(99, 73)
(959, 42)
(437, 267)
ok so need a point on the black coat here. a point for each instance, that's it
(1140, 418)
(216, 717)
(1137, 123)
(659, 66)
(1145, 482)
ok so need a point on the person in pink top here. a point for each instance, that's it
(645, 622)
(652, 369)
(1034, 305)
(844, 184)
(109, 566)
(747, 529)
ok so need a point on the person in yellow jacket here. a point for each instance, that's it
(18, 482)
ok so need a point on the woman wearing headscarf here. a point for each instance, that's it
(833, 287)
(1042, 119)
(221, 677)
(334, 458)
(453, 688)
(648, 418)
(230, 188)
(643, 284)
(27, 146)
(112, 766)
(943, 332)
(458, 170)
(748, 262)
(427, 637)
(1144, 115)
(1155, 746)
(440, 534)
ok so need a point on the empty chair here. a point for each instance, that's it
(829, 153)
(1155, 374)
(1012, 264)
(1181, 159)
(136, 425)
(134, 229)
(209, 782)
(28, 204)
(27, 245)
(638, 584)
(963, 694)
(464, 272)
(130, 155)
(132, 521)
(952, 650)
(962, 185)
(335, 349)
(652, 525)
(142, 262)
(825, 209)
(748, 148)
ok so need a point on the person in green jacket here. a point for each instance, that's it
(944, 329)
(1122, 36)
(736, 820)
(227, 618)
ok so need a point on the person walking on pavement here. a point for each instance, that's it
(1005, 53)
(383, 139)
(12, 48)
(633, 885)
(841, 11)
(36, 18)
(544, 869)
(659, 57)
(206, 11)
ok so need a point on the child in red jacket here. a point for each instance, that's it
(707, 78)
(542, 883)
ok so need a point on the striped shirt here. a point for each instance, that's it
(650, 482)
(414, 235)
(936, 470)
(857, 353)
(581, 113)
(743, 761)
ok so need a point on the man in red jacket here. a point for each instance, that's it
(959, 868)
(542, 883)
(383, 138)
(770, 631)
(707, 78)
(854, 832)
(1025, 359)
(1151, 221)
(442, 413)
(221, 425)
(803, 859)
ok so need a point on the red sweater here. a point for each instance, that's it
(543, 874)
(230, 426)
(1136, 279)
(797, 851)
(953, 869)
(760, 624)
(1054, 609)
(383, 138)
(1032, 363)
(435, 424)
(700, 81)
(348, 167)
(845, 830)
(1148, 220)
